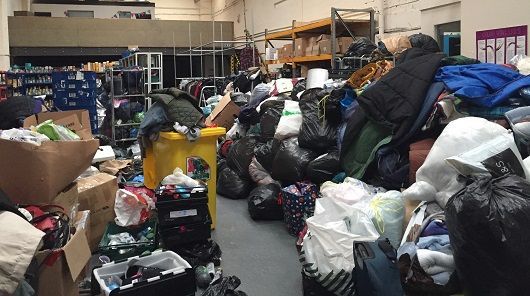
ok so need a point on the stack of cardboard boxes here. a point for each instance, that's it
(319, 45)
(47, 174)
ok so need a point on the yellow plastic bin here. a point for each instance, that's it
(174, 150)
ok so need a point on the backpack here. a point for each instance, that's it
(376, 271)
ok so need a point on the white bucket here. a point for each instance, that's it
(316, 78)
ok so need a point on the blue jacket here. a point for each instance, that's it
(485, 85)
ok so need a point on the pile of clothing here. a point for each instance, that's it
(340, 154)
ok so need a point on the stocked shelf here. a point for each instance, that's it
(320, 41)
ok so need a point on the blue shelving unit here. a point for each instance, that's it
(76, 90)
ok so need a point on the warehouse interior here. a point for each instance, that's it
(278, 147)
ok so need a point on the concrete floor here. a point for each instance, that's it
(261, 253)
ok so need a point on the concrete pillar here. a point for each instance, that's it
(4, 36)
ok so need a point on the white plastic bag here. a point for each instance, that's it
(130, 209)
(387, 211)
(179, 178)
(351, 191)
(436, 175)
(237, 131)
(290, 122)
(497, 157)
(328, 245)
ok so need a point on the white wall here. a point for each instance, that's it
(100, 11)
(401, 15)
(437, 12)
(478, 15)
(183, 9)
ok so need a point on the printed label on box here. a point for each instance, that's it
(183, 213)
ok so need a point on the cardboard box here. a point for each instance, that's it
(97, 193)
(68, 198)
(300, 46)
(286, 51)
(32, 174)
(271, 54)
(60, 269)
(224, 113)
(344, 44)
(325, 46)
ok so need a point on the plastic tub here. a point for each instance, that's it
(122, 251)
(176, 279)
(174, 150)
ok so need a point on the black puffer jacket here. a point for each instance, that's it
(396, 99)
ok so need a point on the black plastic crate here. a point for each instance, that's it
(178, 212)
(185, 234)
(166, 193)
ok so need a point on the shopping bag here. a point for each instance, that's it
(298, 202)
(327, 252)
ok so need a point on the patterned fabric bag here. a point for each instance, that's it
(298, 204)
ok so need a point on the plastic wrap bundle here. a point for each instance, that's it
(314, 134)
(263, 203)
(231, 185)
(291, 161)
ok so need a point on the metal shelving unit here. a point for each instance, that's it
(336, 25)
(110, 75)
(152, 65)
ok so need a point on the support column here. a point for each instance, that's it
(4, 37)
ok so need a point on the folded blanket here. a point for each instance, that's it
(434, 242)
(434, 262)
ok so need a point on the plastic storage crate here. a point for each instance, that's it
(177, 206)
(122, 251)
(174, 237)
(173, 150)
(177, 279)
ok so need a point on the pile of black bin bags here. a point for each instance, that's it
(258, 165)
(374, 135)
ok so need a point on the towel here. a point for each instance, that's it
(434, 242)
(434, 262)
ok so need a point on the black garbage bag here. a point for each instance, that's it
(314, 134)
(271, 111)
(201, 253)
(224, 286)
(489, 229)
(332, 108)
(240, 156)
(231, 185)
(425, 42)
(298, 88)
(221, 165)
(263, 203)
(360, 47)
(324, 167)
(265, 153)
(239, 98)
(291, 161)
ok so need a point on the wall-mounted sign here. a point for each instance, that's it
(499, 46)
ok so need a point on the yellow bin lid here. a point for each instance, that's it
(205, 132)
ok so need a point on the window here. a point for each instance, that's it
(124, 14)
(80, 13)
